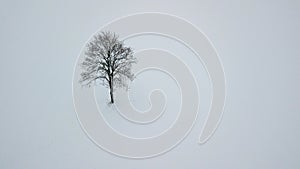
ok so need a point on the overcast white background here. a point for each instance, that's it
(258, 44)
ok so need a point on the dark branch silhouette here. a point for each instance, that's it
(108, 61)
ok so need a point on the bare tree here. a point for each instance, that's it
(108, 61)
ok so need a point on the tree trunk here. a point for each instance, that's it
(111, 96)
(111, 92)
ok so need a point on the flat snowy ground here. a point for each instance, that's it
(258, 44)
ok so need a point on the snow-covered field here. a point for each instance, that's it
(258, 44)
